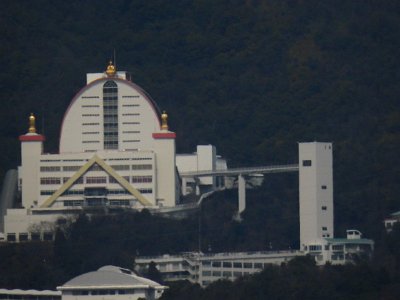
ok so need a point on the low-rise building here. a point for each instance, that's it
(204, 268)
(391, 220)
(339, 251)
(108, 282)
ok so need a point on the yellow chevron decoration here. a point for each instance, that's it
(95, 159)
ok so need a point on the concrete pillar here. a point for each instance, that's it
(242, 194)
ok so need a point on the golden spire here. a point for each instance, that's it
(164, 121)
(32, 128)
(110, 69)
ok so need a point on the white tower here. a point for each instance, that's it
(315, 192)
(164, 146)
(31, 149)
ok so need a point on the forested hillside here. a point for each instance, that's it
(251, 77)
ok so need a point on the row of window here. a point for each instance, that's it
(90, 105)
(224, 273)
(74, 203)
(130, 123)
(229, 264)
(131, 114)
(34, 236)
(130, 105)
(103, 292)
(131, 96)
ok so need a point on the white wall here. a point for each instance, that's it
(315, 191)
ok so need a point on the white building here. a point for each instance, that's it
(392, 220)
(315, 192)
(316, 232)
(339, 251)
(204, 268)
(116, 152)
(204, 159)
(110, 282)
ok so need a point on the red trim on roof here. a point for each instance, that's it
(32, 138)
(166, 135)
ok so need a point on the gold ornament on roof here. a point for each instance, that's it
(32, 128)
(110, 69)
(164, 121)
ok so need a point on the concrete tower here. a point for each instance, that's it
(31, 149)
(316, 192)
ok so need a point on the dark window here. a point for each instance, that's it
(48, 236)
(216, 264)
(247, 265)
(323, 187)
(35, 236)
(323, 207)
(324, 228)
(110, 114)
(306, 163)
(227, 264)
(23, 237)
(11, 237)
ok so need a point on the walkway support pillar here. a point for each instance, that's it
(242, 193)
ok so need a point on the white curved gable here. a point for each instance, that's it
(83, 127)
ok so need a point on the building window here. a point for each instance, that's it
(96, 179)
(145, 191)
(307, 163)
(119, 202)
(120, 167)
(216, 264)
(227, 274)
(71, 168)
(50, 180)
(323, 187)
(142, 167)
(46, 192)
(11, 237)
(324, 228)
(90, 115)
(23, 237)
(35, 236)
(248, 265)
(131, 114)
(110, 109)
(237, 274)
(90, 124)
(323, 208)
(142, 179)
(73, 203)
(206, 273)
(258, 265)
(216, 273)
(50, 169)
(237, 264)
(315, 247)
(227, 264)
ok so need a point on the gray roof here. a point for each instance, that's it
(109, 277)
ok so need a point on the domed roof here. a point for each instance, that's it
(109, 277)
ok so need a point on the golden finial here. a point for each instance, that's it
(110, 69)
(164, 121)
(32, 128)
